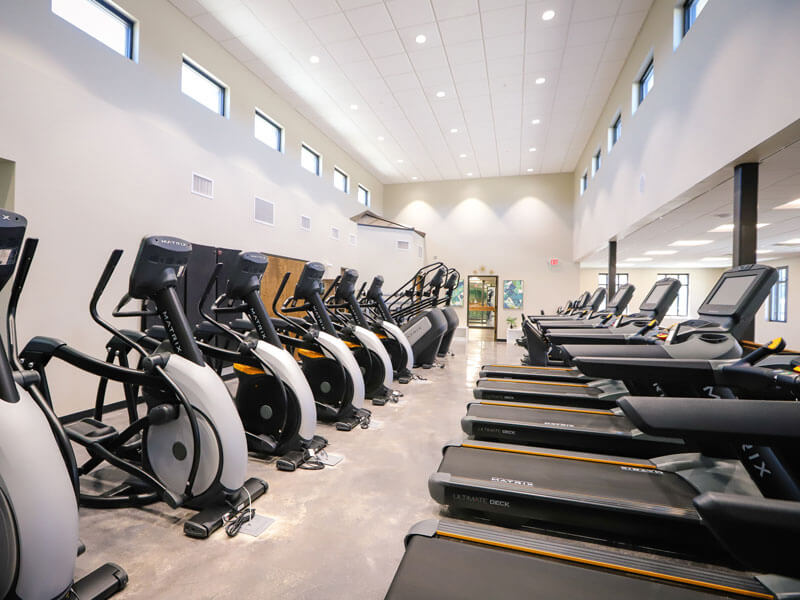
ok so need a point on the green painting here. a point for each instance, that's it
(512, 293)
(458, 294)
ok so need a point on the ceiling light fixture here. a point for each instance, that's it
(764, 251)
(728, 227)
(462, 156)
(440, 94)
(661, 252)
(540, 80)
(354, 107)
(548, 15)
(688, 243)
(535, 122)
(380, 138)
(420, 39)
(791, 242)
(529, 170)
(793, 205)
(400, 160)
(640, 259)
(531, 149)
(415, 178)
(313, 59)
(454, 130)
(715, 259)
(469, 174)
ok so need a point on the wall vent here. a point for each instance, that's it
(264, 211)
(202, 186)
(403, 245)
(305, 222)
(353, 239)
(419, 251)
(335, 233)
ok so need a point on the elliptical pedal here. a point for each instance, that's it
(91, 431)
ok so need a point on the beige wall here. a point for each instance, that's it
(506, 226)
(105, 149)
(385, 258)
(728, 86)
(700, 283)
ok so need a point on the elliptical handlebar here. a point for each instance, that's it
(278, 311)
(23, 267)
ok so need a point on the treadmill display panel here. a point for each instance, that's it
(654, 297)
(732, 290)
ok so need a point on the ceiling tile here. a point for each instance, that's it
(409, 37)
(470, 72)
(191, 8)
(273, 13)
(629, 6)
(467, 89)
(589, 32)
(370, 19)
(462, 29)
(382, 44)
(360, 70)
(504, 47)
(429, 58)
(332, 28)
(213, 27)
(348, 4)
(551, 38)
(589, 10)
(393, 65)
(404, 81)
(348, 51)
(447, 9)
(627, 24)
(406, 13)
(617, 49)
(435, 77)
(506, 68)
(465, 52)
(543, 61)
(503, 22)
(309, 9)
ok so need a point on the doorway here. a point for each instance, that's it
(482, 302)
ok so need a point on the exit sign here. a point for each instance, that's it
(553, 262)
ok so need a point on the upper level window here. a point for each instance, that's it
(363, 195)
(679, 308)
(776, 305)
(201, 86)
(691, 10)
(614, 132)
(341, 181)
(584, 182)
(597, 161)
(268, 131)
(101, 20)
(602, 281)
(310, 160)
(646, 82)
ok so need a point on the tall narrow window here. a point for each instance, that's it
(691, 10)
(268, 131)
(584, 182)
(614, 132)
(363, 196)
(199, 85)
(310, 160)
(646, 82)
(777, 303)
(341, 181)
(597, 161)
(602, 281)
(679, 308)
(101, 20)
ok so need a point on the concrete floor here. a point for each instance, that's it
(338, 532)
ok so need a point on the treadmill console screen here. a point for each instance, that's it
(654, 297)
(732, 290)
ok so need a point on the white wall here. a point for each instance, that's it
(729, 85)
(105, 149)
(700, 283)
(384, 258)
(504, 226)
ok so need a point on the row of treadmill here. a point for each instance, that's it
(623, 460)
(197, 399)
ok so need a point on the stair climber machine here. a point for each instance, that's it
(413, 306)
(38, 473)
(373, 357)
(328, 364)
(189, 449)
(386, 327)
(450, 313)
(729, 307)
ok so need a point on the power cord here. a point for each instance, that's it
(236, 519)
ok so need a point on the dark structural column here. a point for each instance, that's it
(612, 269)
(745, 219)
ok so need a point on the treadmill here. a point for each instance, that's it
(600, 319)
(728, 308)
(591, 307)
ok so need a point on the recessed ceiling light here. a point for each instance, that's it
(640, 259)
(791, 242)
(548, 15)
(380, 138)
(469, 174)
(354, 107)
(531, 149)
(415, 178)
(400, 160)
(454, 130)
(313, 59)
(540, 80)
(794, 204)
(462, 156)
(715, 259)
(529, 170)
(661, 252)
(440, 94)
(728, 227)
(420, 39)
(535, 122)
(764, 251)
(691, 242)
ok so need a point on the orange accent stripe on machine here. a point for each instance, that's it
(310, 353)
(580, 385)
(611, 566)
(604, 461)
(527, 367)
(247, 369)
(538, 407)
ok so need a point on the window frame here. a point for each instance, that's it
(687, 13)
(260, 114)
(368, 196)
(597, 161)
(584, 185)
(685, 297)
(223, 110)
(773, 300)
(615, 131)
(346, 189)
(647, 73)
(604, 284)
(131, 32)
(304, 146)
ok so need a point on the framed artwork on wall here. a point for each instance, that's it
(458, 294)
(512, 293)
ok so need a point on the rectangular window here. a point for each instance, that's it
(310, 160)
(268, 131)
(363, 195)
(614, 132)
(597, 161)
(691, 10)
(101, 20)
(602, 281)
(679, 308)
(777, 302)
(341, 181)
(584, 182)
(202, 87)
(646, 82)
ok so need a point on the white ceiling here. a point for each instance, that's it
(778, 183)
(485, 55)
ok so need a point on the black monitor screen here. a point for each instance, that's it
(655, 295)
(732, 290)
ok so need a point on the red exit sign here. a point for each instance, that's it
(553, 262)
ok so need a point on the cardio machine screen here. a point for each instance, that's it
(654, 297)
(8, 256)
(617, 297)
(732, 290)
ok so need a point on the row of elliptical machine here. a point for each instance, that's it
(38, 473)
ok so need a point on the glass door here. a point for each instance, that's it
(482, 301)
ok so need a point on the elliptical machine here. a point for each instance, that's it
(38, 474)
(189, 449)
(395, 340)
(450, 313)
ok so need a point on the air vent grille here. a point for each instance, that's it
(335, 233)
(264, 211)
(402, 244)
(202, 186)
(353, 239)
(305, 223)
(419, 251)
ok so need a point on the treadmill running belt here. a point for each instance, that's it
(650, 488)
(608, 423)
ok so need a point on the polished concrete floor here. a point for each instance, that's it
(338, 533)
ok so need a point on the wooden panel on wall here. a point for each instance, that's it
(278, 266)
